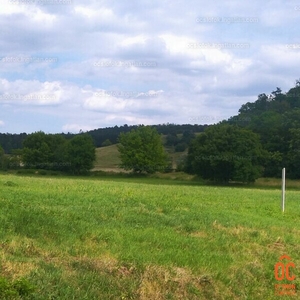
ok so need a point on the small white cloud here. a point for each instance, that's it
(105, 102)
(75, 128)
(31, 92)
(2, 123)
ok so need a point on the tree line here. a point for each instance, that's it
(52, 152)
(101, 136)
(275, 118)
(262, 139)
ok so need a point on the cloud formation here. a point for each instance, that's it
(67, 65)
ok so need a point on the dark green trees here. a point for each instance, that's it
(275, 118)
(36, 151)
(81, 154)
(4, 161)
(225, 153)
(54, 152)
(45, 151)
(141, 150)
(293, 156)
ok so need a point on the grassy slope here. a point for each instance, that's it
(95, 239)
(107, 158)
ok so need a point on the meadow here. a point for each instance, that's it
(107, 238)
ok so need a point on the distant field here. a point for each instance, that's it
(123, 239)
(107, 159)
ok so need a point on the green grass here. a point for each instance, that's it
(121, 238)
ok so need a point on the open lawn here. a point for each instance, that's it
(88, 238)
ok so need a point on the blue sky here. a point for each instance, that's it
(67, 65)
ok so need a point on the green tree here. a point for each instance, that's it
(226, 153)
(180, 147)
(172, 139)
(45, 151)
(141, 150)
(273, 164)
(293, 156)
(269, 126)
(4, 161)
(58, 147)
(15, 160)
(36, 151)
(187, 136)
(106, 143)
(81, 154)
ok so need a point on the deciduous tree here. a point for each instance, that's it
(226, 153)
(141, 150)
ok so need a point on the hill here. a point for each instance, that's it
(276, 119)
(107, 159)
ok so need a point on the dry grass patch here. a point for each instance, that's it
(239, 230)
(159, 283)
(16, 269)
(199, 234)
(278, 245)
(104, 264)
(21, 244)
(154, 283)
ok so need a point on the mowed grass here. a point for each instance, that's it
(105, 239)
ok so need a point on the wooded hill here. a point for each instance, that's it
(10, 142)
(276, 118)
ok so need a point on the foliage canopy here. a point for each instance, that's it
(141, 150)
(226, 153)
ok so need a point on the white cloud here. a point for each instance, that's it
(184, 81)
(75, 128)
(101, 14)
(23, 92)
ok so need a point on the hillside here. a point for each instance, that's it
(107, 159)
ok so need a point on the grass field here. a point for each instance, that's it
(76, 238)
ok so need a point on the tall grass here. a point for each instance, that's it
(125, 239)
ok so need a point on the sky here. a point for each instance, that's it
(70, 65)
